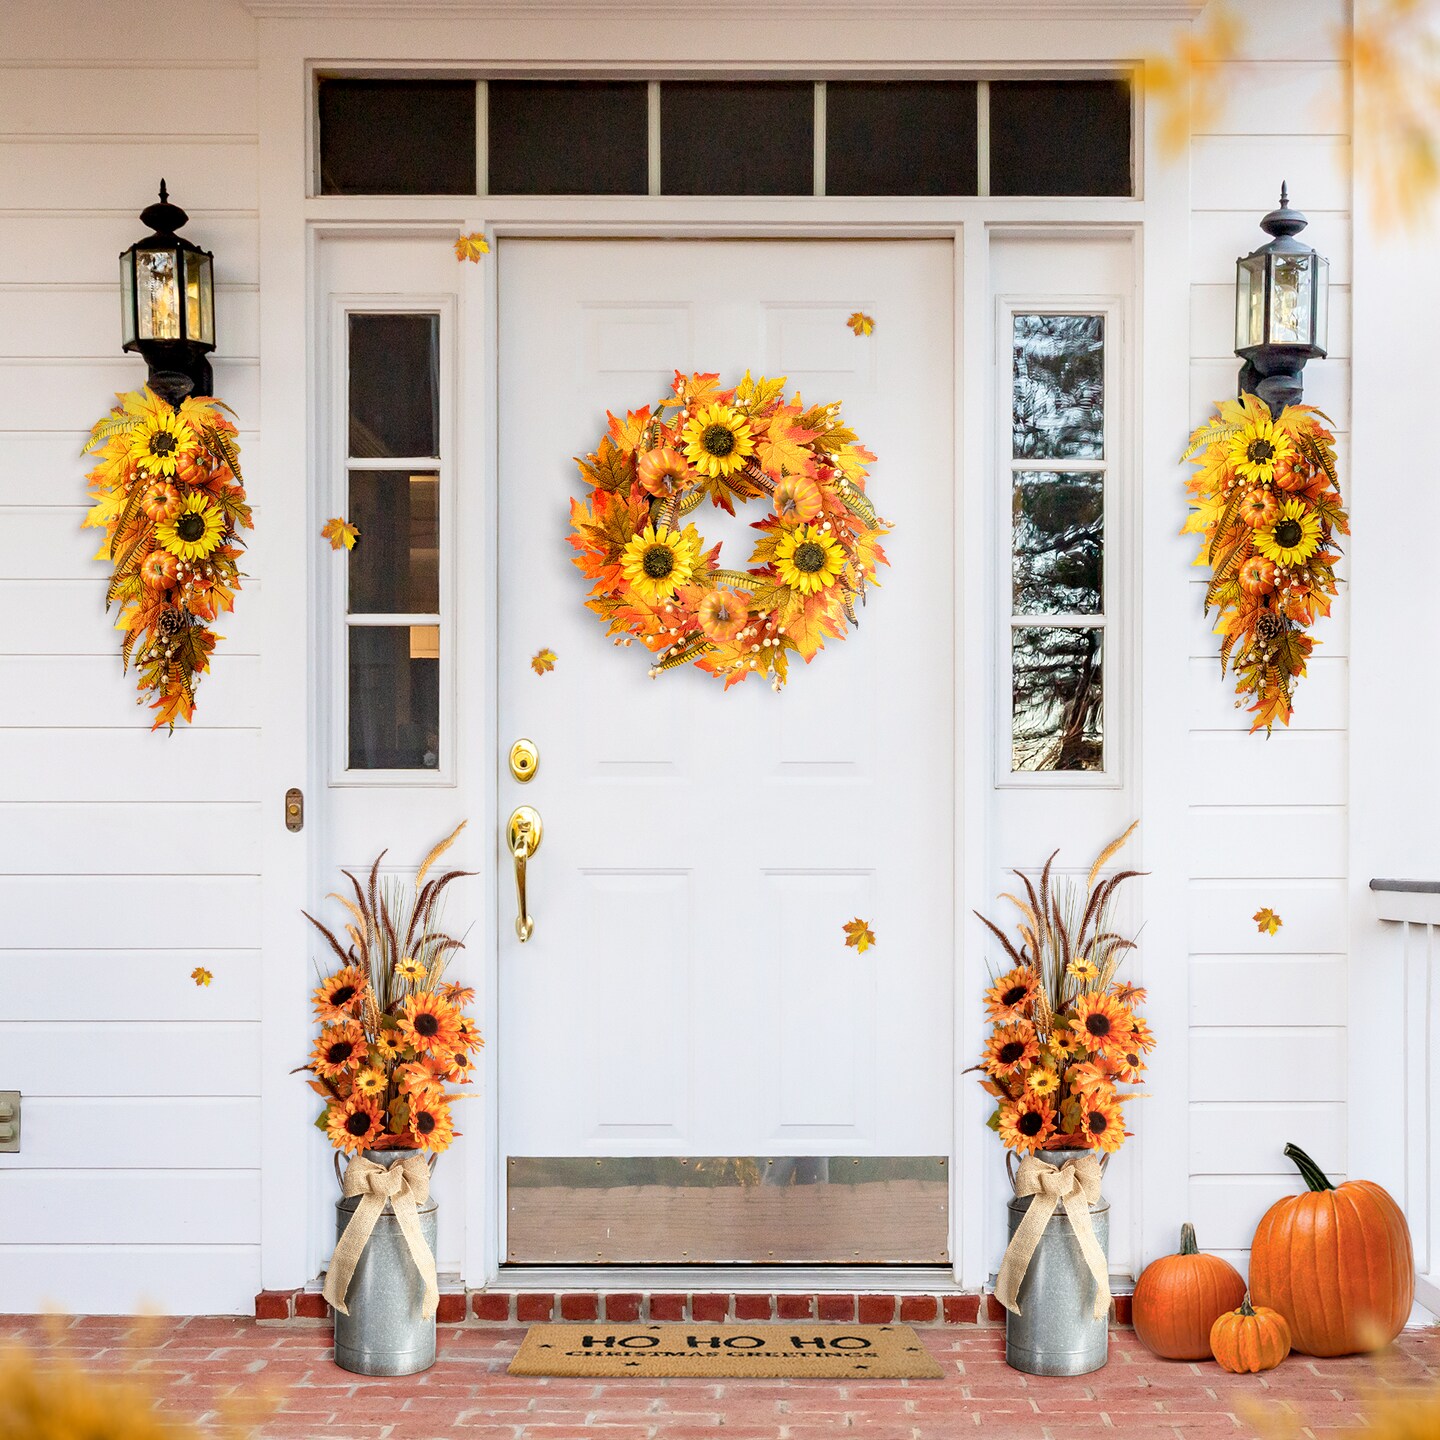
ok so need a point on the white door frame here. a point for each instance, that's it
(291, 225)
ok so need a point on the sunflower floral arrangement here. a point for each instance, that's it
(393, 1031)
(1064, 1033)
(168, 494)
(1266, 501)
(654, 579)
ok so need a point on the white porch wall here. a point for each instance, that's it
(1268, 823)
(138, 1181)
(140, 1176)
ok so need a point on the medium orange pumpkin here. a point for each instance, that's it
(1179, 1297)
(1250, 1339)
(1336, 1263)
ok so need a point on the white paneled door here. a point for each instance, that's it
(687, 990)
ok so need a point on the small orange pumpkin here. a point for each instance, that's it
(1335, 1262)
(1178, 1298)
(1250, 1339)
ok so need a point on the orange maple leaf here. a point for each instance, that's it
(201, 976)
(1267, 922)
(629, 432)
(542, 660)
(609, 468)
(858, 935)
(861, 323)
(782, 449)
(340, 532)
(471, 247)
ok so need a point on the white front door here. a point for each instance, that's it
(692, 1063)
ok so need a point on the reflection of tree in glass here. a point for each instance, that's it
(1058, 529)
(1057, 714)
(1059, 387)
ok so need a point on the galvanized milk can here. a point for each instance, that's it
(385, 1332)
(1056, 1332)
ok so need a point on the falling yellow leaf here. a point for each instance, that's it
(543, 660)
(1267, 921)
(201, 976)
(859, 935)
(1187, 87)
(339, 531)
(861, 323)
(472, 247)
(1394, 54)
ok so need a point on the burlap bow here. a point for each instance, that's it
(1076, 1184)
(406, 1185)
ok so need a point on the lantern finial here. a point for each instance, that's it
(165, 194)
(1284, 193)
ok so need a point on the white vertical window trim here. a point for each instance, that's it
(442, 306)
(1113, 663)
(819, 137)
(652, 135)
(482, 137)
(982, 138)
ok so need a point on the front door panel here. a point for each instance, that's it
(687, 992)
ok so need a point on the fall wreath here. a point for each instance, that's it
(654, 579)
(1266, 500)
(168, 495)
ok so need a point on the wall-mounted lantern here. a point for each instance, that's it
(1282, 307)
(167, 295)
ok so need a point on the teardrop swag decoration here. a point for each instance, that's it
(655, 581)
(168, 494)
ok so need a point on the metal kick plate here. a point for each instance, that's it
(728, 1210)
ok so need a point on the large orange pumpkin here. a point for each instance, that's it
(1335, 1262)
(1179, 1297)
(1250, 1339)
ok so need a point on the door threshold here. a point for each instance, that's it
(736, 1279)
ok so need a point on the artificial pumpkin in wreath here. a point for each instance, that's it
(1178, 1298)
(1336, 1262)
(1250, 1339)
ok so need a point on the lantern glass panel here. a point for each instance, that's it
(1249, 301)
(159, 294)
(199, 298)
(1291, 300)
(127, 299)
(1321, 267)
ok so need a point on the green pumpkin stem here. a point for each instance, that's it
(1187, 1240)
(1310, 1172)
(1246, 1308)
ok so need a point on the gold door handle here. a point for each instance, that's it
(524, 832)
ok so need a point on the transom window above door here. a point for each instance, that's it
(1065, 135)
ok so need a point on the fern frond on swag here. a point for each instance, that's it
(167, 493)
(1265, 500)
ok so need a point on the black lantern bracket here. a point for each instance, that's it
(168, 304)
(1282, 296)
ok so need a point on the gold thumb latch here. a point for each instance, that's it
(524, 832)
(524, 760)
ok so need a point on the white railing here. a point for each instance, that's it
(1414, 907)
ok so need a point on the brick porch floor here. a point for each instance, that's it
(194, 1364)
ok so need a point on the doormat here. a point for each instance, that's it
(768, 1352)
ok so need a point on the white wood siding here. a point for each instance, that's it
(1268, 818)
(139, 1181)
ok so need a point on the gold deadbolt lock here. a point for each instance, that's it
(524, 760)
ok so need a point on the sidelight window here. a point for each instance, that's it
(393, 625)
(1058, 469)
